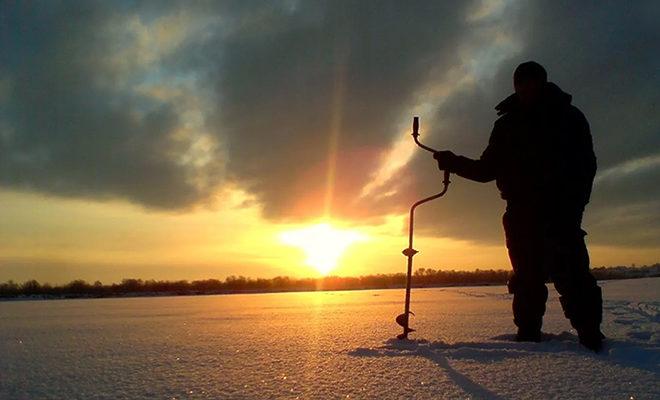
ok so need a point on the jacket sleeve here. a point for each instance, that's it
(485, 168)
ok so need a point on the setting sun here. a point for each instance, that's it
(323, 244)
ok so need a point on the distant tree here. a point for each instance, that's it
(131, 285)
(30, 287)
(77, 286)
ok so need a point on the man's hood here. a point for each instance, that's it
(552, 96)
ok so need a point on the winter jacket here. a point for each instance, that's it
(541, 158)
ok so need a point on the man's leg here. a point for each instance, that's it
(527, 284)
(581, 297)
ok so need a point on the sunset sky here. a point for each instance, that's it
(189, 140)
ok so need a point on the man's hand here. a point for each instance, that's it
(445, 159)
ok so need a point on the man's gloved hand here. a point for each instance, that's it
(445, 159)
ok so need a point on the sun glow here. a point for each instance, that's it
(323, 244)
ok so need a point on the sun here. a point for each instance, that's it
(323, 244)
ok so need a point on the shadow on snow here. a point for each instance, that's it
(628, 354)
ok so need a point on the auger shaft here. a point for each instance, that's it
(404, 319)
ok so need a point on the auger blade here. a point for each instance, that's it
(403, 320)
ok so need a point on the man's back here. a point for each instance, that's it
(543, 156)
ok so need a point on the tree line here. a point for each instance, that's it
(423, 277)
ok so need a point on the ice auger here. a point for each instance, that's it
(409, 252)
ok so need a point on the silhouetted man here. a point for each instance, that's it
(541, 155)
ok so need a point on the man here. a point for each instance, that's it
(541, 155)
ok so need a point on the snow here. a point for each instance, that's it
(324, 345)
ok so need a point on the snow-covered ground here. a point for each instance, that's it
(324, 345)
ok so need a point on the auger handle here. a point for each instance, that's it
(415, 135)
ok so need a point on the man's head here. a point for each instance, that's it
(529, 80)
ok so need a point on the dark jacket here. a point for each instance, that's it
(541, 158)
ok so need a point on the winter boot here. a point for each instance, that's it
(591, 338)
(528, 335)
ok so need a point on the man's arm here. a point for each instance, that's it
(482, 170)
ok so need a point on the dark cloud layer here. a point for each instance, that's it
(607, 56)
(68, 130)
(286, 83)
(291, 79)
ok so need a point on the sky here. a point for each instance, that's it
(192, 140)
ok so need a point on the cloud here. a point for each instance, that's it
(305, 105)
(296, 100)
(79, 119)
(606, 55)
(308, 97)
